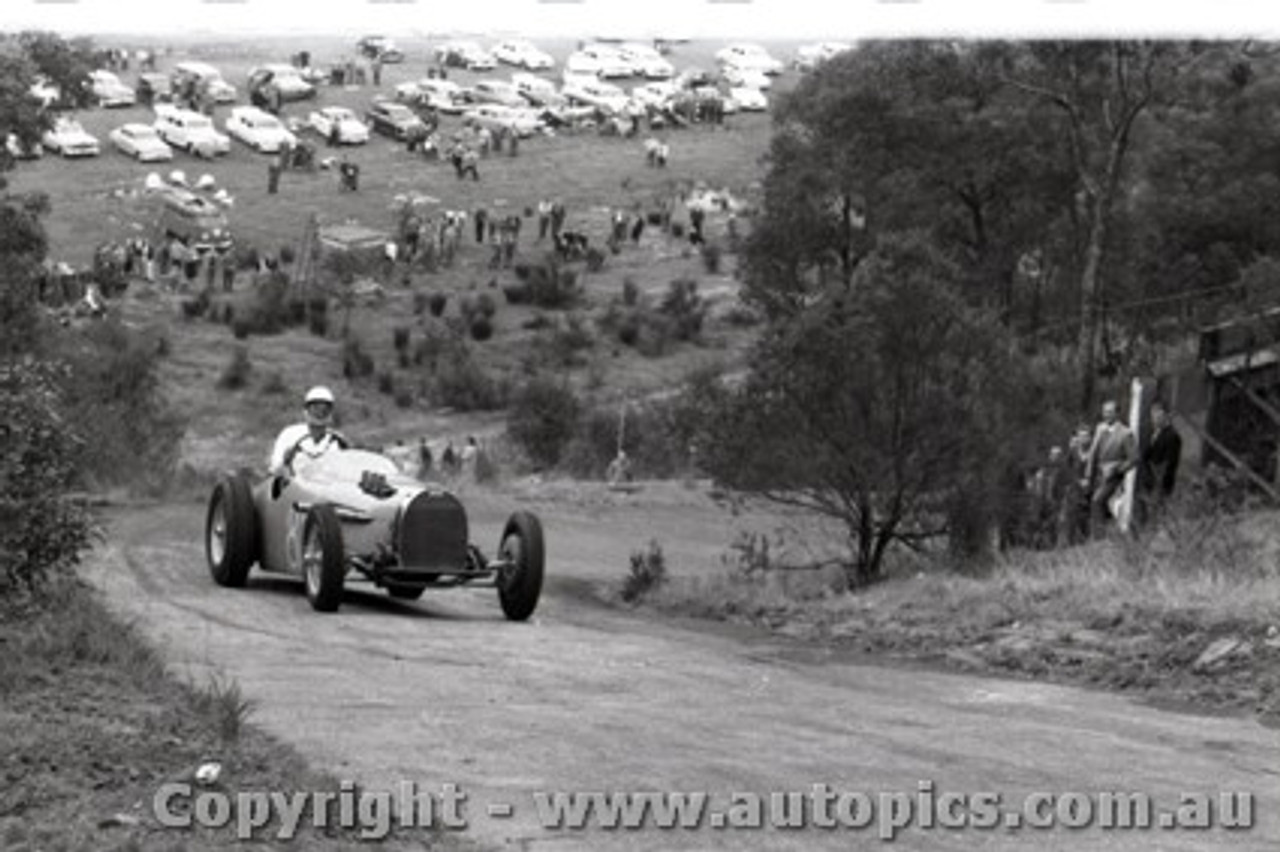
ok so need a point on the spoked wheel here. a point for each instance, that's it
(323, 560)
(231, 532)
(520, 579)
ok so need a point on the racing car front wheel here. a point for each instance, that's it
(323, 561)
(231, 531)
(520, 578)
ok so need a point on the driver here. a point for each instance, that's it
(313, 438)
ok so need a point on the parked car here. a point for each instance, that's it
(380, 47)
(497, 92)
(393, 119)
(747, 55)
(646, 61)
(523, 54)
(810, 55)
(465, 54)
(68, 138)
(602, 61)
(442, 95)
(140, 141)
(190, 131)
(278, 83)
(259, 129)
(522, 121)
(193, 220)
(752, 78)
(109, 91)
(154, 88)
(352, 516)
(596, 93)
(538, 91)
(748, 99)
(204, 78)
(656, 95)
(350, 129)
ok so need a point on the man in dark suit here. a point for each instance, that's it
(1163, 453)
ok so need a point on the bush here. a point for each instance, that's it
(400, 336)
(287, 255)
(595, 259)
(648, 571)
(318, 324)
(516, 294)
(541, 419)
(236, 374)
(404, 398)
(296, 312)
(387, 383)
(241, 328)
(437, 303)
(537, 322)
(546, 285)
(356, 363)
(685, 308)
(486, 305)
(711, 254)
(196, 307)
(420, 300)
(41, 532)
(630, 292)
(461, 383)
(481, 329)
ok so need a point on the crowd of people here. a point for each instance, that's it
(1079, 491)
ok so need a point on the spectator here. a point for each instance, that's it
(544, 219)
(1112, 454)
(1160, 462)
(424, 459)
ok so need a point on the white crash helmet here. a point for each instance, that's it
(153, 181)
(177, 177)
(319, 393)
(206, 181)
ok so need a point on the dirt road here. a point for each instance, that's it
(586, 698)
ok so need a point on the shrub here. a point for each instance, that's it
(437, 303)
(486, 305)
(296, 312)
(400, 336)
(648, 571)
(741, 316)
(630, 292)
(404, 398)
(356, 363)
(387, 383)
(595, 259)
(541, 419)
(711, 254)
(547, 285)
(629, 329)
(236, 374)
(685, 308)
(241, 328)
(538, 321)
(461, 383)
(319, 324)
(404, 359)
(287, 255)
(195, 307)
(481, 329)
(420, 300)
(516, 294)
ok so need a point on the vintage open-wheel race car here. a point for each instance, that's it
(352, 515)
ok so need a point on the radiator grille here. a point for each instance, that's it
(433, 533)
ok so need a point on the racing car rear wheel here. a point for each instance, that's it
(323, 561)
(520, 580)
(231, 531)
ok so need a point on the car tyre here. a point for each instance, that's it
(231, 532)
(323, 560)
(520, 583)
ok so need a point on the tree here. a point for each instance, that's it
(873, 404)
(1100, 90)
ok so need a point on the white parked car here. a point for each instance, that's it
(522, 121)
(522, 54)
(747, 55)
(656, 95)
(646, 61)
(461, 53)
(190, 131)
(109, 91)
(809, 55)
(596, 93)
(497, 92)
(69, 139)
(259, 129)
(538, 91)
(205, 78)
(600, 60)
(142, 142)
(351, 130)
(749, 99)
(751, 78)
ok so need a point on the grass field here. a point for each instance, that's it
(99, 199)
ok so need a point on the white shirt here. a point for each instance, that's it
(299, 435)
